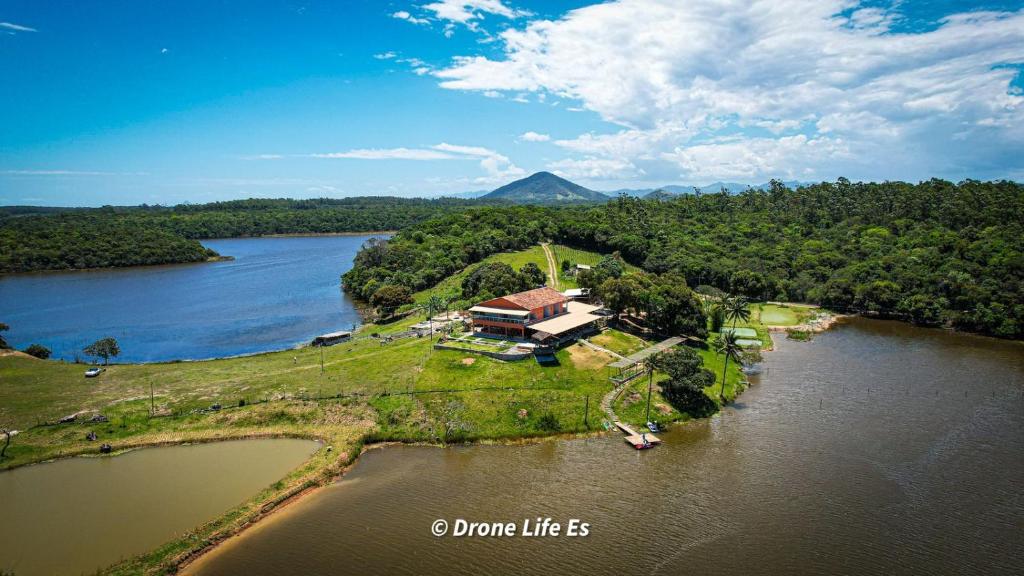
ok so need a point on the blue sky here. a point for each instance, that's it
(126, 102)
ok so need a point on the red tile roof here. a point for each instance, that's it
(536, 298)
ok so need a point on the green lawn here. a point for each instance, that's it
(620, 342)
(781, 315)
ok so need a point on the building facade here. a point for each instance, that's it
(545, 316)
(512, 315)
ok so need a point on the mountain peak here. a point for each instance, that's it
(545, 188)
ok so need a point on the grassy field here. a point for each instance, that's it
(620, 342)
(631, 404)
(451, 287)
(576, 256)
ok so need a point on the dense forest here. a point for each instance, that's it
(934, 253)
(90, 241)
(34, 239)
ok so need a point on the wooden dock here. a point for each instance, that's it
(636, 439)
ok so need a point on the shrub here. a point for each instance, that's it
(549, 423)
(38, 350)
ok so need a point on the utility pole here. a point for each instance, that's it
(321, 358)
(152, 403)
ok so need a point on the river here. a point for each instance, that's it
(77, 515)
(276, 293)
(876, 448)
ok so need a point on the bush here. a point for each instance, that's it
(549, 423)
(38, 350)
(687, 394)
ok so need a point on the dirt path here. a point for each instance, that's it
(552, 268)
(608, 400)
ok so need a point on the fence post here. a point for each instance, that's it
(586, 412)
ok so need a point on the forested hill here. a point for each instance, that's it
(935, 253)
(56, 239)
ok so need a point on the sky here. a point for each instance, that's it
(163, 102)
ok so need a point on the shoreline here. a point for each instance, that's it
(206, 538)
(210, 260)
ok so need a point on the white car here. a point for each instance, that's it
(93, 372)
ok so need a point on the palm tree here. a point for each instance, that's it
(655, 362)
(736, 309)
(434, 305)
(726, 344)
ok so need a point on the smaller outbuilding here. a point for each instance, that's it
(331, 338)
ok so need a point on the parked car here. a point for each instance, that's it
(93, 372)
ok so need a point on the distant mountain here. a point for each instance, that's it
(544, 188)
(659, 194)
(713, 188)
(463, 195)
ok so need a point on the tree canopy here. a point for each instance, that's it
(934, 253)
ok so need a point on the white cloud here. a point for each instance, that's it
(385, 55)
(497, 167)
(465, 11)
(534, 137)
(387, 154)
(591, 168)
(16, 27)
(404, 15)
(468, 13)
(676, 76)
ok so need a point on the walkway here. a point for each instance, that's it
(552, 267)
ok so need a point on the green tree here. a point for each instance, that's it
(37, 350)
(726, 345)
(534, 275)
(619, 294)
(103, 348)
(717, 317)
(389, 298)
(736, 308)
(687, 379)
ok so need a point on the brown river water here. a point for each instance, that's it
(77, 515)
(876, 448)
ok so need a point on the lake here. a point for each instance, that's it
(275, 294)
(877, 448)
(77, 515)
